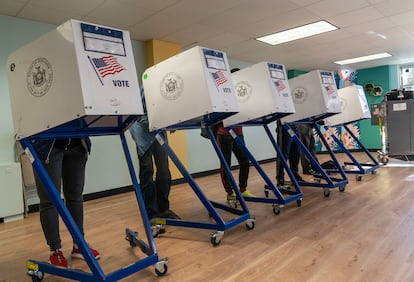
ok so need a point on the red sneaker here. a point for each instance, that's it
(57, 258)
(76, 253)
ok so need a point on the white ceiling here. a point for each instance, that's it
(365, 26)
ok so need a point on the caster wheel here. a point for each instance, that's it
(36, 276)
(342, 188)
(384, 160)
(326, 193)
(358, 177)
(215, 238)
(299, 203)
(232, 204)
(163, 271)
(276, 209)
(266, 192)
(250, 224)
(374, 172)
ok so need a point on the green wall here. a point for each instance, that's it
(387, 78)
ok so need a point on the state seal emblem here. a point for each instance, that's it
(171, 86)
(39, 77)
(243, 90)
(299, 95)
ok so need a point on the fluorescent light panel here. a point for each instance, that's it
(363, 59)
(297, 33)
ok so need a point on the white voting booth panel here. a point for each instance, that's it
(354, 106)
(262, 90)
(78, 69)
(314, 95)
(188, 86)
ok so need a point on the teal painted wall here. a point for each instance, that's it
(387, 78)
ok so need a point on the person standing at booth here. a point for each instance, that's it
(64, 161)
(291, 152)
(308, 139)
(228, 145)
(155, 193)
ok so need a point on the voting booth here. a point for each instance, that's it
(78, 80)
(182, 90)
(315, 96)
(354, 106)
(194, 89)
(76, 70)
(263, 94)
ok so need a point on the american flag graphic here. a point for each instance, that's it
(219, 78)
(107, 65)
(280, 85)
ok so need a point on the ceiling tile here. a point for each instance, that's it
(11, 7)
(330, 8)
(120, 13)
(394, 7)
(47, 15)
(78, 7)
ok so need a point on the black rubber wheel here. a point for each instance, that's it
(276, 211)
(250, 225)
(214, 242)
(326, 193)
(299, 203)
(161, 273)
(342, 188)
(358, 178)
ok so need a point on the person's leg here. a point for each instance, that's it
(162, 178)
(244, 165)
(225, 142)
(284, 141)
(146, 182)
(48, 214)
(73, 181)
(305, 131)
(294, 158)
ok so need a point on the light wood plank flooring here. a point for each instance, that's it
(363, 234)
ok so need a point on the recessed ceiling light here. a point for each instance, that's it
(297, 33)
(363, 59)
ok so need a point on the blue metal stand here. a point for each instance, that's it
(322, 179)
(219, 224)
(92, 126)
(358, 168)
(281, 195)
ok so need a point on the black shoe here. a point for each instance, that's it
(298, 177)
(169, 214)
(309, 172)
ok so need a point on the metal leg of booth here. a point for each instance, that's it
(321, 179)
(37, 269)
(219, 224)
(359, 169)
(282, 195)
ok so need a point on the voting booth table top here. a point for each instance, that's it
(194, 89)
(78, 80)
(263, 94)
(354, 108)
(315, 97)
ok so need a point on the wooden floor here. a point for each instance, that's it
(363, 234)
